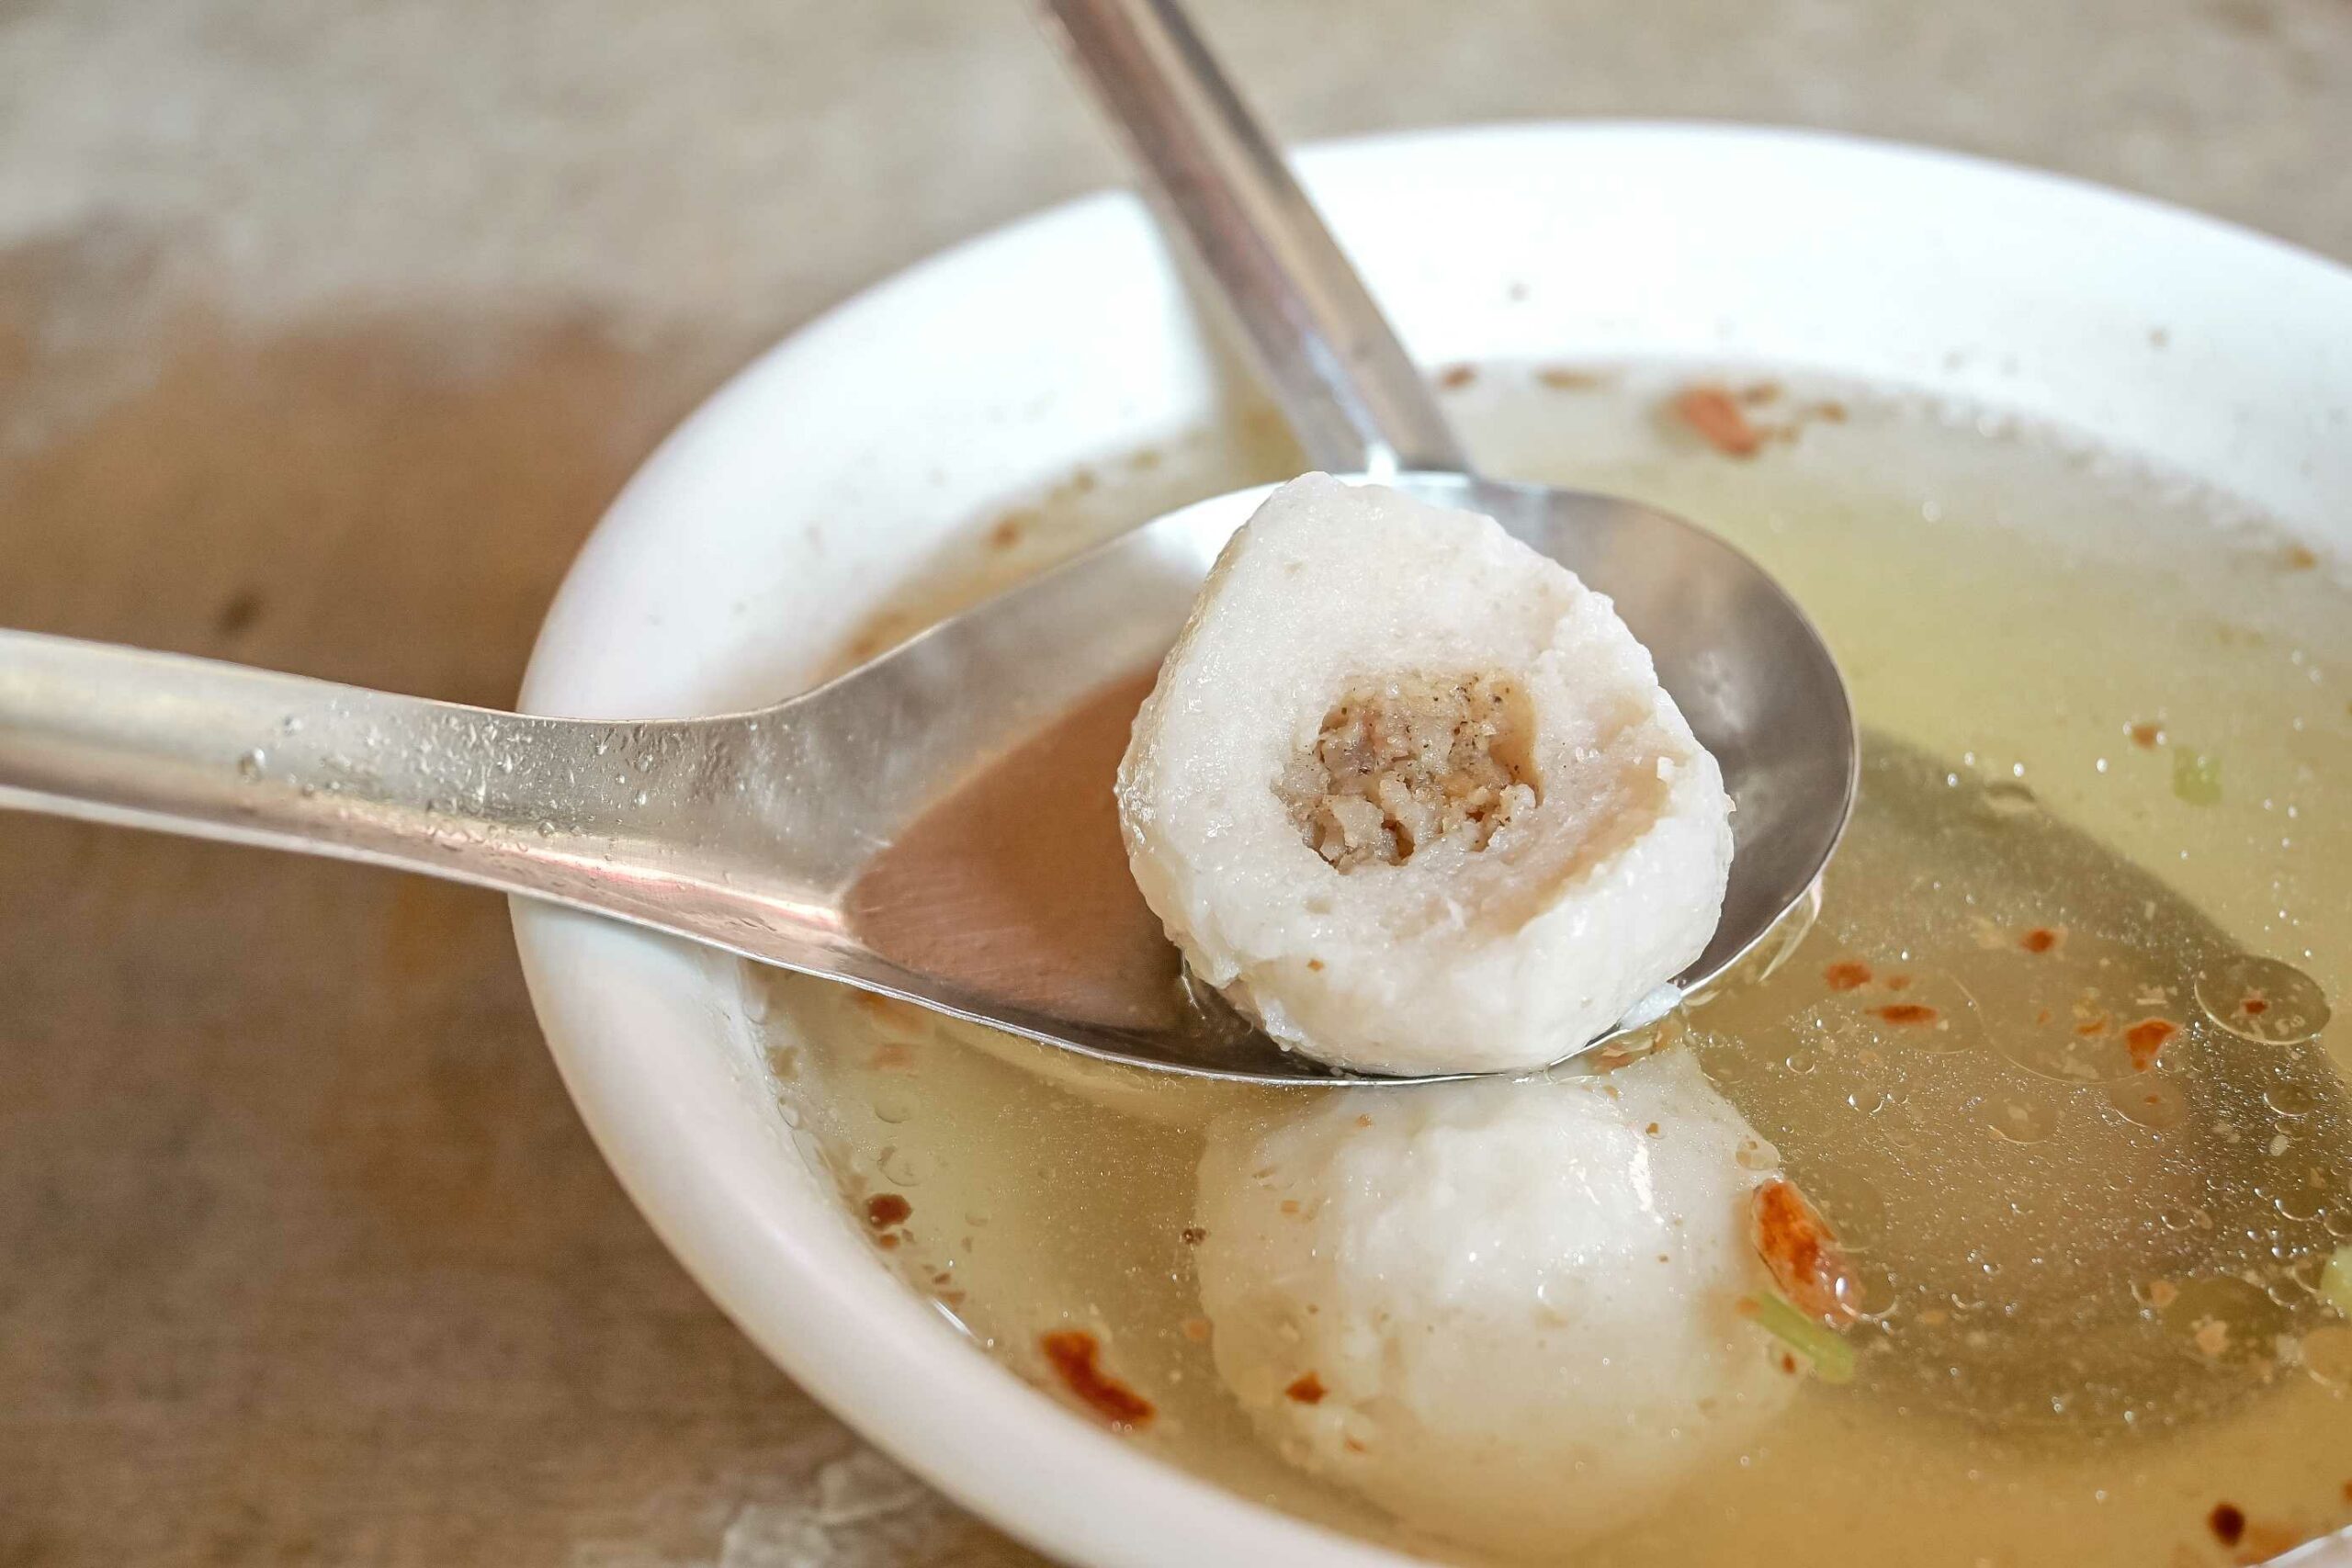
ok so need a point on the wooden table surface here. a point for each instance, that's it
(325, 332)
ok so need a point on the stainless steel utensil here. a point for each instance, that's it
(936, 825)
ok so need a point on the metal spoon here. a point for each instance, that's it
(937, 825)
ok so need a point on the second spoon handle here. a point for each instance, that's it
(1351, 395)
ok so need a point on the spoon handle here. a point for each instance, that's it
(625, 819)
(1350, 393)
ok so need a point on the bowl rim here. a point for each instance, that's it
(805, 1289)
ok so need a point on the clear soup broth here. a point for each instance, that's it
(2052, 1059)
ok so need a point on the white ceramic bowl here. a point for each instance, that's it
(784, 510)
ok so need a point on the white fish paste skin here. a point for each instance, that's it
(1465, 957)
(1507, 1312)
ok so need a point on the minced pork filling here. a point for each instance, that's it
(1408, 761)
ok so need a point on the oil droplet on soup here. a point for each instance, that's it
(2053, 1061)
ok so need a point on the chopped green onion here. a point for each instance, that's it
(2197, 777)
(1832, 1358)
(2336, 1281)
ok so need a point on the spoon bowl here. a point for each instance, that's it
(1008, 900)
